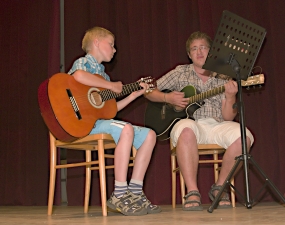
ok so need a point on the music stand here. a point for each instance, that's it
(233, 52)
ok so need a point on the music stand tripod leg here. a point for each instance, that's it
(226, 182)
(267, 179)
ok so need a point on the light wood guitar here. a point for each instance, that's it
(162, 117)
(70, 109)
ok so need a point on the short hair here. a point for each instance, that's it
(91, 34)
(197, 35)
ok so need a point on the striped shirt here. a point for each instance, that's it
(89, 64)
(184, 75)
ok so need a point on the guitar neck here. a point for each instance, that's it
(206, 94)
(127, 89)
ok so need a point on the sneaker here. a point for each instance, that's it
(126, 205)
(142, 201)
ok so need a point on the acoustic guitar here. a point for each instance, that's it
(70, 109)
(162, 117)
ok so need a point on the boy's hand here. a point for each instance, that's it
(138, 93)
(116, 87)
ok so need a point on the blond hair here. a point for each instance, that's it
(91, 34)
(197, 35)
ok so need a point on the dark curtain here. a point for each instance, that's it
(29, 54)
(150, 40)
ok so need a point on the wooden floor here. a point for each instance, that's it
(262, 213)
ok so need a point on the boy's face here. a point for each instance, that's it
(106, 48)
(199, 49)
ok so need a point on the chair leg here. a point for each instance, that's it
(102, 175)
(52, 175)
(173, 175)
(134, 152)
(233, 196)
(87, 181)
(216, 166)
(182, 187)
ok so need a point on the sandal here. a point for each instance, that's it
(195, 207)
(225, 197)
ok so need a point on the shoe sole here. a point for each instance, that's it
(153, 211)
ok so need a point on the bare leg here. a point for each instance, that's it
(188, 159)
(122, 153)
(234, 150)
(143, 156)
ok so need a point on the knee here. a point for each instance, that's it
(238, 145)
(248, 143)
(187, 134)
(151, 136)
(128, 130)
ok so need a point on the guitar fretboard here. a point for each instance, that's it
(127, 89)
(206, 94)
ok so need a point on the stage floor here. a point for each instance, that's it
(262, 213)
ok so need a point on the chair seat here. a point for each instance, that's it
(89, 142)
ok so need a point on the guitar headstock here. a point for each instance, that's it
(150, 81)
(253, 80)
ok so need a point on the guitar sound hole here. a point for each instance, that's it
(95, 98)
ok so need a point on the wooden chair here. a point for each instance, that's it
(203, 149)
(94, 142)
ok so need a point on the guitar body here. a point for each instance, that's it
(162, 125)
(69, 108)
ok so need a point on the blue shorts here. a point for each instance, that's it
(114, 128)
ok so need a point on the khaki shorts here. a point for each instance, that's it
(209, 131)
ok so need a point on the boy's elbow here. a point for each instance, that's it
(78, 75)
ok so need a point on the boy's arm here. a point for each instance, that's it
(124, 102)
(89, 79)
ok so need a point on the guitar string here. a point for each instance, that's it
(128, 88)
(107, 94)
(204, 95)
(196, 98)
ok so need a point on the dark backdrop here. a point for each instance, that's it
(150, 40)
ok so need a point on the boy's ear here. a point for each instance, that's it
(96, 42)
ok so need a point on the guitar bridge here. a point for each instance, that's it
(74, 104)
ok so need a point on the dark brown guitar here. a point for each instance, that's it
(70, 109)
(162, 117)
